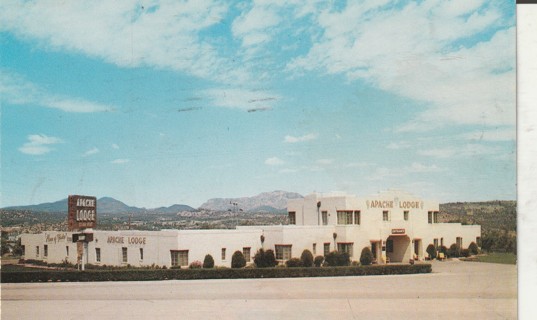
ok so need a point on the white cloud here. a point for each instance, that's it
(119, 161)
(469, 150)
(398, 145)
(252, 26)
(382, 173)
(325, 161)
(39, 144)
(434, 52)
(91, 151)
(357, 165)
(503, 134)
(15, 89)
(307, 137)
(166, 35)
(115, 146)
(274, 161)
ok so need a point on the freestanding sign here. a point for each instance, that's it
(82, 212)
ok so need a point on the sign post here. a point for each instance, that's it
(82, 217)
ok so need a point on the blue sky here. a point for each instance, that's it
(162, 102)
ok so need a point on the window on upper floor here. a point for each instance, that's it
(344, 217)
(357, 217)
(324, 215)
(385, 215)
(292, 217)
(430, 217)
(405, 215)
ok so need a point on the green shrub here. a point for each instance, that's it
(195, 265)
(473, 248)
(306, 258)
(337, 259)
(293, 263)
(443, 249)
(318, 261)
(366, 257)
(265, 259)
(45, 275)
(454, 251)
(465, 253)
(431, 251)
(208, 262)
(237, 260)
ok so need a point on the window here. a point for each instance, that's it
(435, 242)
(45, 251)
(345, 247)
(326, 248)
(37, 251)
(435, 215)
(223, 253)
(283, 252)
(292, 217)
(344, 217)
(324, 215)
(179, 258)
(430, 217)
(459, 242)
(141, 253)
(67, 250)
(356, 217)
(124, 254)
(405, 215)
(314, 249)
(246, 253)
(389, 245)
(98, 254)
(385, 216)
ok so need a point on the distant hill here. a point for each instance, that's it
(104, 205)
(275, 201)
(491, 215)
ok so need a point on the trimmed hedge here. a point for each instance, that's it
(194, 274)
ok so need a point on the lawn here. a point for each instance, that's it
(497, 257)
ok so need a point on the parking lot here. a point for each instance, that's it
(455, 289)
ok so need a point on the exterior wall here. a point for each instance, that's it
(308, 233)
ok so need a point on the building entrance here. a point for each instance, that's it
(398, 248)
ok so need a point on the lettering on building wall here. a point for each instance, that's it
(389, 204)
(398, 231)
(129, 240)
(59, 237)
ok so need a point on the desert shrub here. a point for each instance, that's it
(318, 261)
(366, 257)
(431, 251)
(306, 258)
(293, 263)
(443, 249)
(208, 262)
(454, 251)
(265, 259)
(337, 259)
(195, 265)
(465, 253)
(473, 248)
(237, 260)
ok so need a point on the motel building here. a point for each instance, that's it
(397, 226)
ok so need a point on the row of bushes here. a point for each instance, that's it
(454, 251)
(214, 273)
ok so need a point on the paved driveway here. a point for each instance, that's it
(461, 290)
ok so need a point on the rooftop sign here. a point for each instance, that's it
(82, 212)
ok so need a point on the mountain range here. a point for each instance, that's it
(275, 201)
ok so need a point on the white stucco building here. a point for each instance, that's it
(397, 226)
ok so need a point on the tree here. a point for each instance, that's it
(366, 257)
(208, 262)
(473, 248)
(336, 258)
(454, 251)
(431, 250)
(306, 258)
(237, 260)
(265, 259)
(318, 261)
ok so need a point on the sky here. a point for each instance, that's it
(157, 103)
